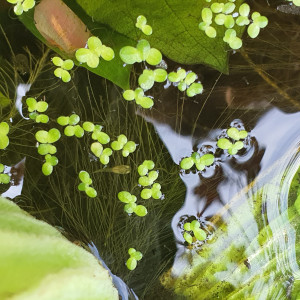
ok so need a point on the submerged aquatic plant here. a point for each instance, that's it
(135, 256)
(22, 5)
(4, 130)
(86, 181)
(35, 108)
(142, 52)
(141, 23)
(64, 66)
(91, 55)
(4, 178)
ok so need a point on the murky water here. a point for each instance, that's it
(241, 201)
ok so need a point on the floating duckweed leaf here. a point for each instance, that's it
(43, 149)
(57, 61)
(42, 118)
(63, 121)
(143, 48)
(22, 6)
(140, 21)
(78, 131)
(142, 170)
(140, 210)
(235, 43)
(190, 78)
(200, 234)
(210, 32)
(145, 102)
(4, 178)
(243, 134)
(244, 10)
(69, 130)
(216, 7)
(125, 197)
(91, 192)
(104, 159)
(131, 263)
(207, 159)
(53, 135)
(129, 208)
(53, 160)
(146, 193)
(186, 163)
(107, 151)
(88, 126)
(136, 255)
(42, 136)
(220, 19)
(229, 21)
(82, 186)
(47, 168)
(233, 133)
(224, 143)
(1, 168)
(97, 148)
(154, 57)
(195, 89)
(147, 29)
(115, 145)
(84, 177)
(130, 55)
(153, 175)
(128, 148)
(74, 119)
(187, 226)
(31, 103)
(146, 80)
(129, 95)
(228, 8)
(103, 138)
(188, 238)
(195, 224)
(156, 194)
(145, 181)
(160, 75)
(4, 140)
(206, 15)
(68, 64)
(253, 30)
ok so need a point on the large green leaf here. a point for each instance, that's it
(38, 263)
(112, 70)
(254, 252)
(175, 27)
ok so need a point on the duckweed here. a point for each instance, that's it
(135, 256)
(64, 66)
(86, 181)
(141, 23)
(139, 96)
(22, 5)
(193, 228)
(4, 130)
(4, 178)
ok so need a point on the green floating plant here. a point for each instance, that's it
(100, 136)
(86, 181)
(145, 167)
(154, 192)
(4, 178)
(51, 161)
(35, 108)
(123, 144)
(141, 23)
(131, 206)
(201, 162)
(139, 97)
(142, 52)
(205, 25)
(186, 81)
(104, 157)
(91, 55)
(149, 179)
(148, 77)
(22, 5)
(72, 128)
(4, 130)
(235, 135)
(295, 2)
(258, 23)
(64, 66)
(193, 232)
(135, 256)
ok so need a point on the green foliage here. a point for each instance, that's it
(201, 162)
(135, 256)
(258, 23)
(95, 50)
(141, 23)
(142, 52)
(35, 108)
(131, 206)
(4, 178)
(38, 263)
(176, 35)
(4, 130)
(147, 79)
(193, 228)
(86, 181)
(64, 66)
(139, 96)
(22, 5)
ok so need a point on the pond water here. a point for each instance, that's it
(241, 201)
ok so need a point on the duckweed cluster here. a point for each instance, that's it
(72, 128)
(148, 77)
(64, 66)
(84, 186)
(22, 5)
(35, 109)
(141, 23)
(139, 97)
(4, 178)
(135, 256)
(232, 142)
(131, 206)
(227, 15)
(46, 139)
(95, 49)
(193, 232)
(4, 130)
(186, 81)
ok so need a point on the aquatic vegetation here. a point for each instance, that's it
(135, 256)
(4, 178)
(148, 77)
(186, 81)
(200, 161)
(227, 16)
(193, 230)
(131, 206)
(4, 130)
(51, 161)
(64, 66)
(139, 97)
(141, 23)
(154, 192)
(35, 108)
(142, 52)
(72, 128)
(86, 181)
(91, 55)
(22, 5)
(295, 2)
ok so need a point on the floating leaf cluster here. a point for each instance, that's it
(46, 139)
(22, 5)
(35, 109)
(186, 81)
(131, 206)
(135, 256)
(141, 23)
(200, 161)
(193, 232)
(94, 51)
(4, 130)
(72, 128)
(64, 66)
(86, 181)
(139, 97)
(148, 77)
(123, 144)
(4, 178)
(142, 52)
(227, 15)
